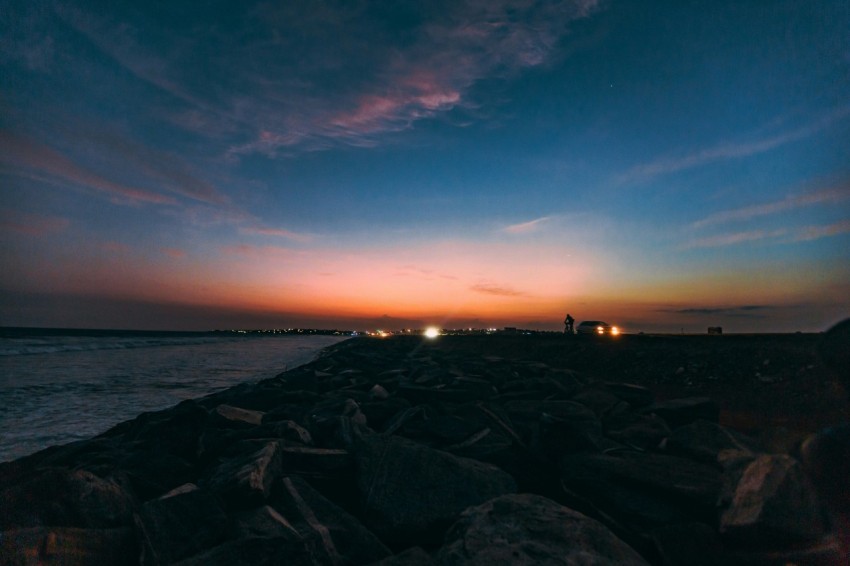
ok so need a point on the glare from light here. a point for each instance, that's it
(431, 332)
(614, 330)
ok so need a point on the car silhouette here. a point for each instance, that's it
(597, 327)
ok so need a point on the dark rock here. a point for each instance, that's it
(635, 395)
(289, 430)
(689, 544)
(704, 441)
(152, 473)
(246, 480)
(263, 521)
(414, 556)
(679, 412)
(379, 413)
(773, 499)
(342, 538)
(68, 545)
(644, 489)
(411, 493)
(638, 431)
(601, 401)
(174, 430)
(65, 498)
(176, 527)
(418, 394)
(238, 415)
(260, 551)
(568, 432)
(529, 529)
(303, 460)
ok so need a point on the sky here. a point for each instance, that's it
(664, 166)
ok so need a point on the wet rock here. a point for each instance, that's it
(529, 529)
(411, 493)
(679, 412)
(704, 441)
(772, 499)
(341, 537)
(176, 527)
(246, 480)
(68, 545)
(65, 498)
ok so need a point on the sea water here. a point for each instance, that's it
(61, 386)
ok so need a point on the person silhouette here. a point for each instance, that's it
(568, 324)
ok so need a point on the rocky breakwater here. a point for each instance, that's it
(399, 451)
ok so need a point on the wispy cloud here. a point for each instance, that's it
(318, 74)
(31, 224)
(730, 150)
(20, 153)
(173, 252)
(497, 290)
(277, 232)
(810, 233)
(526, 227)
(830, 196)
(733, 239)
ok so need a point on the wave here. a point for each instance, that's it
(55, 345)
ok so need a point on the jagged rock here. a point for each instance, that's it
(65, 498)
(303, 460)
(704, 441)
(152, 473)
(237, 415)
(174, 430)
(379, 413)
(679, 412)
(558, 427)
(635, 395)
(414, 556)
(601, 401)
(245, 480)
(644, 489)
(378, 392)
(260, 551)
(176, 527)
(772, 499)
(411, 493)
(263, 521)
(530, 529)
(639, 431)
(341, 537)
(68, 545)
(418, 394)
(290, 430)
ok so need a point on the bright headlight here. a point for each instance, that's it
(615, 330)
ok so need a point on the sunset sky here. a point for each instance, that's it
(664, 166)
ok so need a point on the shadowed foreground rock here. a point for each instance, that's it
(402, 451)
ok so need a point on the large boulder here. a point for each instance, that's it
(65, 498)
(530, 529)
(411, 493)
(773, 499)
(177, 526)
(68, 545)
(246, 479)
(338, 536)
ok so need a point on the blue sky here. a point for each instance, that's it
(664, 165)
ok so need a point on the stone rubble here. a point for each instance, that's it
(397, 452)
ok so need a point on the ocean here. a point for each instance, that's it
(58, 386)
